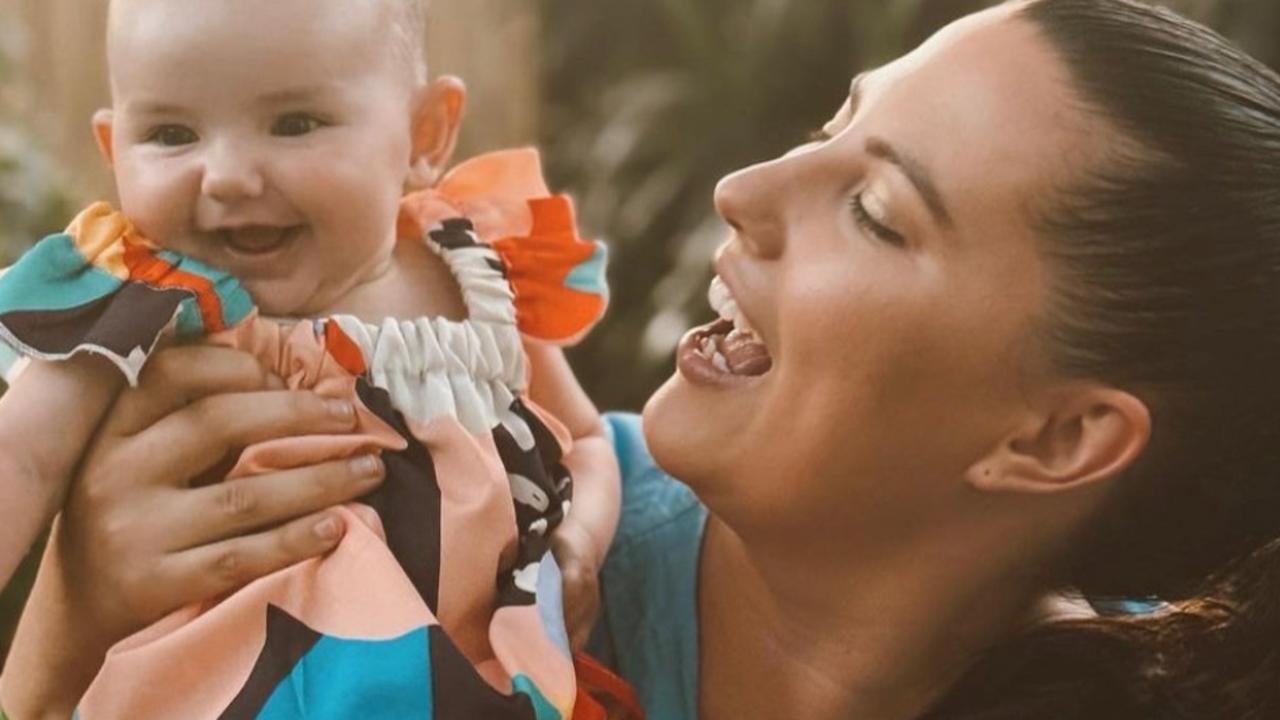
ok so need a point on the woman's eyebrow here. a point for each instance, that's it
(916, 172)
(919, 176)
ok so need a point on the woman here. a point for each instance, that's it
(1013, 333)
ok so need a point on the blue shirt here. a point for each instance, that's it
(648, 626)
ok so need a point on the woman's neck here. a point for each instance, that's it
(795, 636)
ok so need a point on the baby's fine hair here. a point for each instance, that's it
(409, 26)
(411, 34)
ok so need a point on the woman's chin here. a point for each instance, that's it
(689, 434)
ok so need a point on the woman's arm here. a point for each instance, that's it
(47, 419)
(582, 540)
(143, 532)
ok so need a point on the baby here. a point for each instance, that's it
(261, 152)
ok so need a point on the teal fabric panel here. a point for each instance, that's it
(544, 709)
(589, 275)
(53, 275)
(333, 681)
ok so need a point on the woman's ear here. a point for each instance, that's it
(102, 123)
(437, 119)
(1085, 434)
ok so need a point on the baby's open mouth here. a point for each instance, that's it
(730, 343)
(257, 239)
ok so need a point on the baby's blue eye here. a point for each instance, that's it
(295, 124)
(172, 135)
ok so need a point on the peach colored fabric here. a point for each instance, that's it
(356, 591)
(491, 190)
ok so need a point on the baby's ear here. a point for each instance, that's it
(102, 123)
(436, 122)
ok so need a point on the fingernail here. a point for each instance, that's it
(366, 466)
(327, 529)
(342, 409)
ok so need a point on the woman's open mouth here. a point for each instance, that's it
(726, 350)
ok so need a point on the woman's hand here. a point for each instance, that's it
(145, 530)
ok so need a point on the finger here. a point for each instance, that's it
(236, 507)
(176, 377)
(214, 570)
(191, 440)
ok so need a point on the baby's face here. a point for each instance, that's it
(269, 139)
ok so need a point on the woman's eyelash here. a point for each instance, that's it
(869, 223)
(819, 135)
(860, 214)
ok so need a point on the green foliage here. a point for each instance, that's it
(31, 203)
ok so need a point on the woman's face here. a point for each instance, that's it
(892, 274)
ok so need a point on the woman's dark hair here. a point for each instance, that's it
(1165, 259)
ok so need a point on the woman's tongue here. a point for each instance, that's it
(745, 353)
(256, 239)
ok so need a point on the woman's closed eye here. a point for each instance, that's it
(866, 219)
(296, 125)
(171, 135)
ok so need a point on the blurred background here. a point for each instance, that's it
(639, 107)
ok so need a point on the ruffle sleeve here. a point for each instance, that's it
(101, 288)
(557, 276)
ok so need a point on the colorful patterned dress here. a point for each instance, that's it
(442, 600)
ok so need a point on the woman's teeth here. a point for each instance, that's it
(730, 344)
(723, 302)
(711, 352)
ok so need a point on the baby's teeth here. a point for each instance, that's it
(720, 362)
(708, 347)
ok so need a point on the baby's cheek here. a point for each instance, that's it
(158, 202)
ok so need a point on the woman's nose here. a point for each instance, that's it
(231, 174)
(750, 200)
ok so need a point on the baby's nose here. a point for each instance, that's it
(231, 175)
